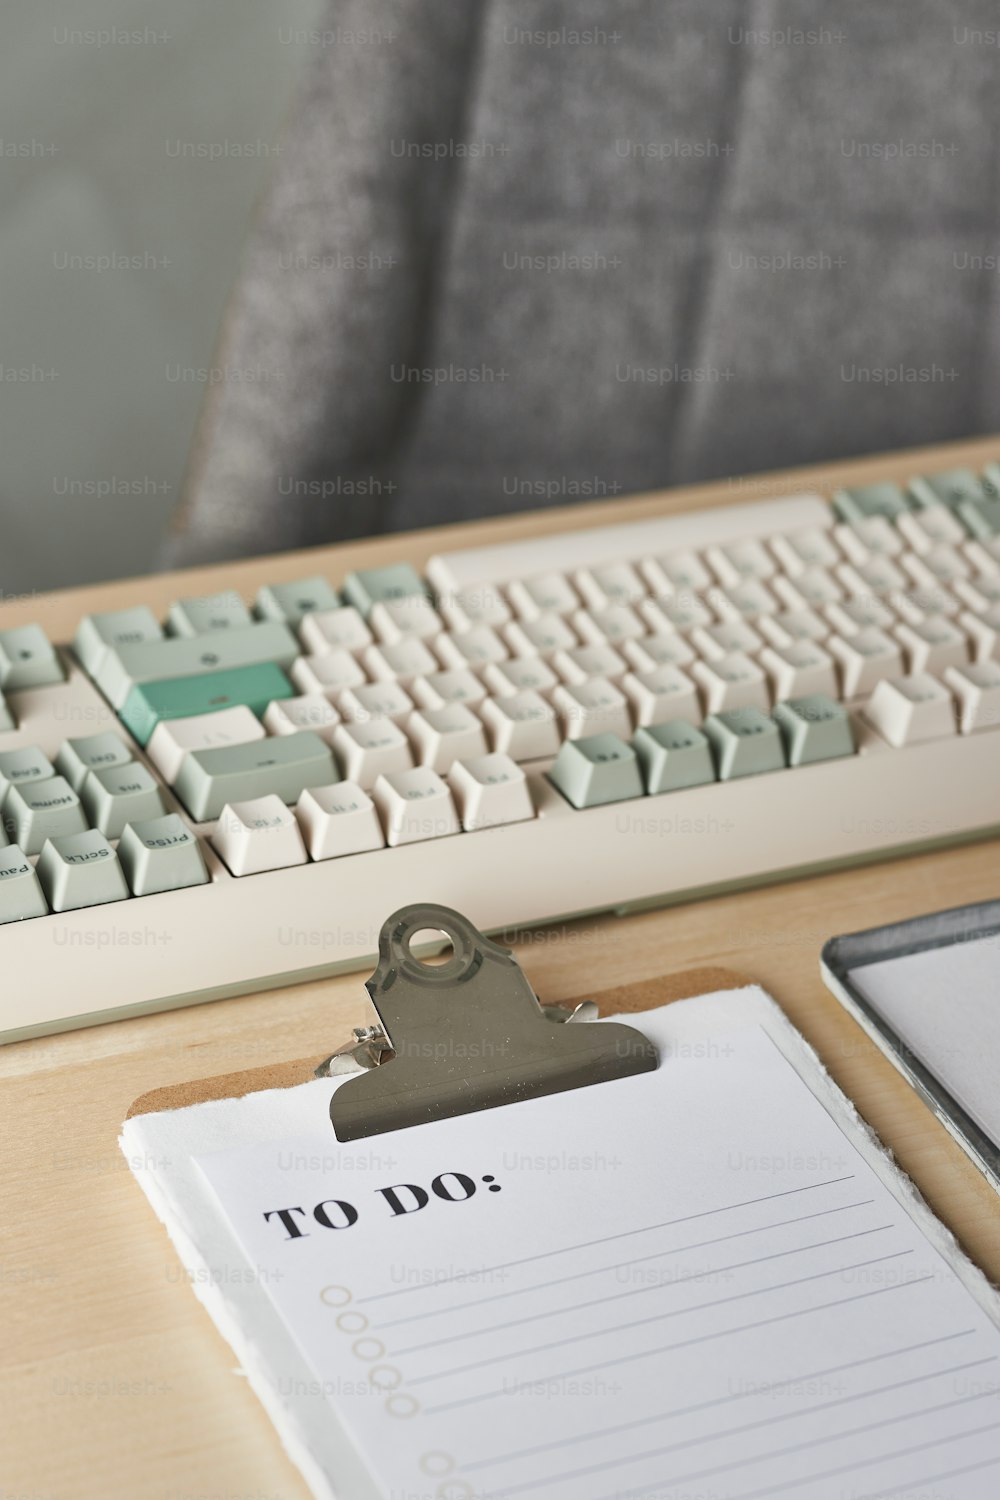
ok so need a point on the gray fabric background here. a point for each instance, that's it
(763, 148)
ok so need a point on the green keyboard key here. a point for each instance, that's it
(116, 627)
(213, 612)
(746, 743)
(91, 752)
(161, 854)
(981, 517)
(673, 755)
(373, 586)
(121, 794)
(870, 500)
(951, 487)
(27, 659)
(81, 870)
(43, 810)
(21, 895)
(285, 765)
(596, 769)
(814, 728)
(252, 687)
(123, 667)
(23, 767)
(288, 602)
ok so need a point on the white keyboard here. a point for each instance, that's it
(235, 797)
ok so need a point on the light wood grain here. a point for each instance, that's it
(113, 1381)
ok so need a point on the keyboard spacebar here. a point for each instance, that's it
(565, 550)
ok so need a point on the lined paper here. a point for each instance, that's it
(686, 1284)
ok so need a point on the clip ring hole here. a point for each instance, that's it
(439, 945)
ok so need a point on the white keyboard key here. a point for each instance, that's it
(984, 554)
(335, 630)
(540, 636)
(983, 632)
(338, 820)
(484, 604)
(589, 661)
(615, 583)
(813, 588)
(736, 562)
(442, 735)
(399, 662)
(865, 658)
(917, 604)
(980, 592)
(793, 625)
(808, 548)
(525, 674)
(733, 681)
(746, 600)
(547, 594)
(938, 565)
(799, 669)
(874, 536)
(680, 611)
(376, 700)
(907, 709)
(713, 641)
(879, 576)
(439, 688)
(657, 651)
(933, 645)
(489, 791)
(617, 623)
(398, 619)
(289, 715)
(173, 738)
(523, 726)
(258, 835)
(592, 707)
(366, 750)
(977, 688)
(854, 614)
(415, 805)
(326, 672)
(677, 571)
(923, 529)
(470, 648)
(663, 694)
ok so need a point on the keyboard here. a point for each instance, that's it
(234, 797)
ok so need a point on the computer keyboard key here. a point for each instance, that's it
(34, 812)
(907, 709)
(983, 631)
(864, 659)
(548, 593)
(733, 681)
(984, 554)
(287, 603)
(923, 529)
(522, 725)
(735, 562)
(373, 586)
(664, 693)
(282, 765)
(981, 518)
(540, 637)
(915, 605)
(809, 548)
(670, 650)
(338, 820)
(939, 564)
(858, 612)
(470, 648)
(522, 674)
(597, 769)
(814, 728)
(399, 662)
(714, 641)
(490, 790)
(116, 627)
(414, 806)
(90, 752)
(21, 894)
(334, 630)
(746, 742)
(460, 685)
(977, 689)
(581, 662)
(258, 834)
(81, 870)
(327, 672)
(592, 707)
(224, 611)
(376, 700)
(402, 619)
(161, 854)
(933, 645)
(800, 669)
(750, 598)
(123, 667)
(119, 795)
(28, 659)
(7, 720)
(813, 589)
(681, 611)
(466, 608)
(615, 624)
(873, 537)
(172, 739)
(22, 767)
(870, 500)
(676, 571)
(611, 583)
(950, 487)
(440, 736)
(308, 711)
(673, 756)
(370, 748)
(979, 593)
(793, 625)
(152, 703)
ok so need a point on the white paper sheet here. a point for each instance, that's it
(688, 1283)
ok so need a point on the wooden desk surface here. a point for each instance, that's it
(113, 1382)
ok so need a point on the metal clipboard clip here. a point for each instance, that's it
(464, 1035)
